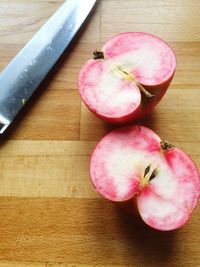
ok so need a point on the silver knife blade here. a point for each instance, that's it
(28, 69)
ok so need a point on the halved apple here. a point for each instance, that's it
(133, 162)
(128, 77)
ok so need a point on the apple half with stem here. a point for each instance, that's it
(133, 164)
(128, 77)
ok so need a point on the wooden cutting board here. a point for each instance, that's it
(49, 213)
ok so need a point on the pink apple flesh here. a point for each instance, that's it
(135, 66)
(133, 162)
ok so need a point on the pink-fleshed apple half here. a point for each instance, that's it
(133, 163)
(128, 77)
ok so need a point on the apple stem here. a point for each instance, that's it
(144, 91)
(98, 54)
(165, 145)
(148, 176)
(131, 78)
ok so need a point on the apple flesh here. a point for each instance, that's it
(133, 163)
(128, 77)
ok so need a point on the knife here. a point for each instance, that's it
(27, 70)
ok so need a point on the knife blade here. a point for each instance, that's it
(27, 70)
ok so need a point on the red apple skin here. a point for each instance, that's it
(146, 106)
(136, 201)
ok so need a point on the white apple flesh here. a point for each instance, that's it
(133, 162)
(128, 78)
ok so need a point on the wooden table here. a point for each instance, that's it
(49, 213)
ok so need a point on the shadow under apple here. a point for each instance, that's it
(155, 247)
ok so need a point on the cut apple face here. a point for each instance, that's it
(133, 162)
(131, 66)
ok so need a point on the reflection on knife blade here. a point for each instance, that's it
(26, 71)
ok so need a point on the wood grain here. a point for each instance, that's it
(50, 214)
(46, 169)
(89, 231)
(174, 21)
(21, 264)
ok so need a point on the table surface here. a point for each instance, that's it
(49, 213)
